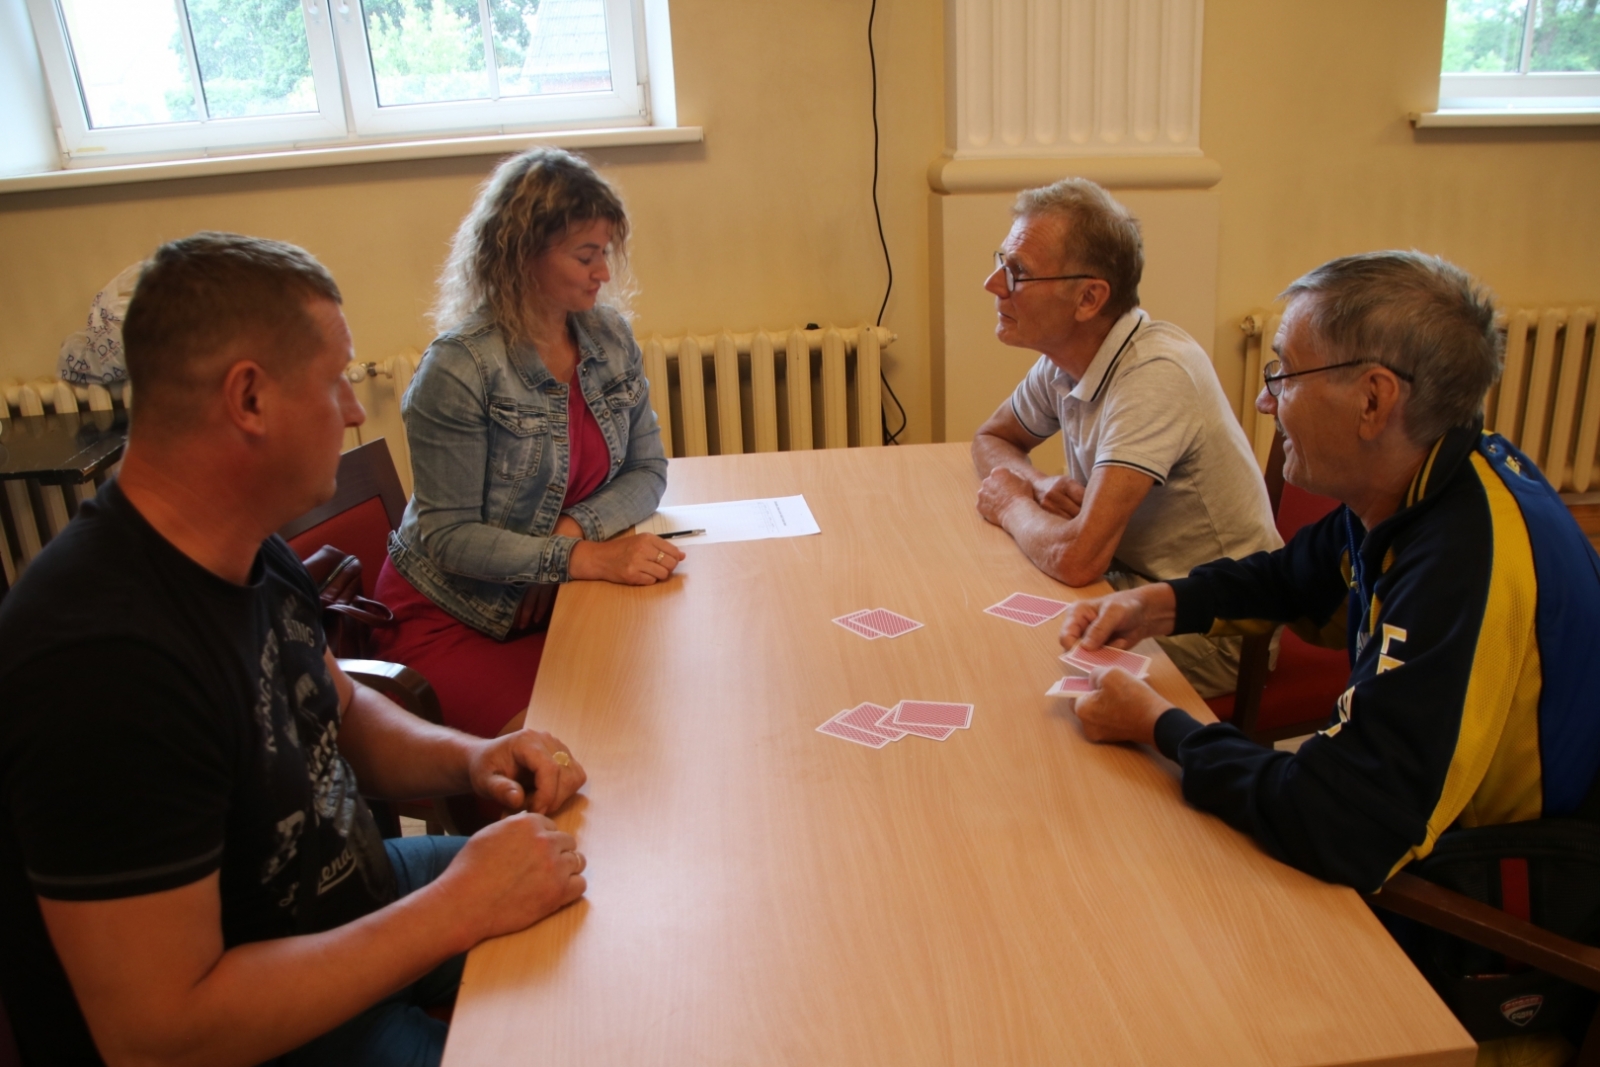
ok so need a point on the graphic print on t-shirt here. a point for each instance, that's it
(298, 718)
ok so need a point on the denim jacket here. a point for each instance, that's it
(487, 425)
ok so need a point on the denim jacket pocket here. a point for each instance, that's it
(624, 393)
(517, 438)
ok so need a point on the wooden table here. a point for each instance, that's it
(764, 894)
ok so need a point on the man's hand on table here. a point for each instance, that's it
(1001, 491)
(511, 874)
(1059, 495)
(503, 770)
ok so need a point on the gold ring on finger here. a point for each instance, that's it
(660, 556)
(562, 757)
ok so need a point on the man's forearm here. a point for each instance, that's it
(398, 756)
(1051, 543)
(990, 452)
(263, 999)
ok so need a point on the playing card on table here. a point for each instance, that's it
(866, 716)
(1072, 687)
(1027, 608)
(1026, 618)
(1083, 659)
(886, 622)
(911, 713)
(871, 738)
(935, 733)
(850, 622)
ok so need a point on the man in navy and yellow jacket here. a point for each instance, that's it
(1467, 595)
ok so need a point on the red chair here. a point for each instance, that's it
(1297, 696)
(367, 505)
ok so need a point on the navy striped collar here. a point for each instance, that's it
(1089, 388)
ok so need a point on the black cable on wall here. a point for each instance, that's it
(889, 437)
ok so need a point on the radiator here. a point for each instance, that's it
(761, 401)
(1259, 328)
(1547, 402)
(1548, 399)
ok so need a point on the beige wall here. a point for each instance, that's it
(768, 223)
(1304, 106)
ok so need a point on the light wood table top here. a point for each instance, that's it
(760, 893)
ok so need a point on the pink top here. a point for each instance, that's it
(590, 459)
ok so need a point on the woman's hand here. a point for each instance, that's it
(636, 559)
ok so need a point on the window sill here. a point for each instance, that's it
(344, 155)
(1507, 116)
(1009, 174)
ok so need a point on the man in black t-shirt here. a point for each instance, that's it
(188, 872)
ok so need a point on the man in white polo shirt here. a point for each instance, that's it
(1159, 476)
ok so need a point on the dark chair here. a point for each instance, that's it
(9, 1056)
(366, 507)
(1518, 940)
(1296, 697)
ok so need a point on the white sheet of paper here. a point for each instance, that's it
(735, 520)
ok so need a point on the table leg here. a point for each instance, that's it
(55, 508)
(22, 515)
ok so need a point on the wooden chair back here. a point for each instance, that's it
(365, 508)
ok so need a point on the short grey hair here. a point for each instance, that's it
(1418, 315)
(1102, 235)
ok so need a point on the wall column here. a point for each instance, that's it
(1038, 90)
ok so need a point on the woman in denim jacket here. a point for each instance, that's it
(533, 444)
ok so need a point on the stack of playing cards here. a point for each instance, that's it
(1086, 661)
(873, 623)
(874, 725)
(1027, 609)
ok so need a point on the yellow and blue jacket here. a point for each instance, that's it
(1472, 620)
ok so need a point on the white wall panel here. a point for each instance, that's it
(1075, 77)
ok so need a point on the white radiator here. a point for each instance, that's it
(1547, 402)
(1548, 399)
(1259, 328)
(751, 373)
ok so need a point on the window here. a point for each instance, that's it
(155, 79)
(1521, 54)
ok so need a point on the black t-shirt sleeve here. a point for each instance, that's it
(141, 809)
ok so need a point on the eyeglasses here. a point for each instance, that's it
(1275, 380)
(1013, 279)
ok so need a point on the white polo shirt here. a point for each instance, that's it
(1150, 400)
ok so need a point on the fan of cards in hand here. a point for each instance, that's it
(1084, 661)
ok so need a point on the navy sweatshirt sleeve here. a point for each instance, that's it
(1396, 766)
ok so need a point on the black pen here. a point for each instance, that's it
(679, 533)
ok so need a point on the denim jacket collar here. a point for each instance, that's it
(525, 359)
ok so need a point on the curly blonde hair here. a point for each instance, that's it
(525, 207)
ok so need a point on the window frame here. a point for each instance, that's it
(622, 105)
(1521, 89)
(347, 112)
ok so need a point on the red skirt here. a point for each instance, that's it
(482, 683)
